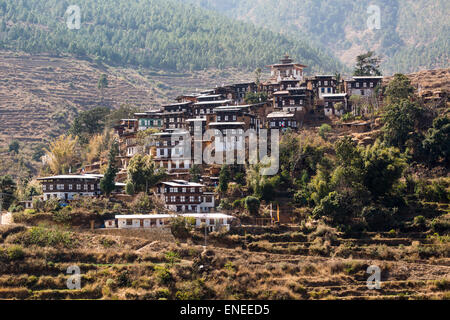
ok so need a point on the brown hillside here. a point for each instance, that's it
(40, 95)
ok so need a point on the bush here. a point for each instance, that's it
(436, 191)
(129, 188)
(440, 226)
(252, 205)
(15, 208)
(324, 130)
(52, 205)
(164, 275)
(378, 218)
(142, 203)
(30, 211)
(181, 226)
(63, 216)
(45, 238)
(419, 221)
(237, 204)
(15, 252)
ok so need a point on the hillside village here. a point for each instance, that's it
(343, 189)
(286, 101)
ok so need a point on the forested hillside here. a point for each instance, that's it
(413, 35)
(161, 34)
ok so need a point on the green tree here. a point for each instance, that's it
(367, 64)
(324, 130)
(102, 84)
(399, 88)
(107, 183)
(257, 77)
(253, 98)
(129, 188)
(195, 172)
(224, 178)
(143, 173)
(338, 78)
(383, 167)
(7, 191)
(400, 121)
(437, 141)
(252, 205)
(89, 122)
(14, 146)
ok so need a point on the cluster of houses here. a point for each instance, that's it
(287, 100)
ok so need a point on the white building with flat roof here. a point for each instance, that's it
(213, 221)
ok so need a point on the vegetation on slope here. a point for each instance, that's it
(163, 34)
(413, 34)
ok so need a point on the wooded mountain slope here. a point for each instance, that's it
(161, 34)
(413, 35)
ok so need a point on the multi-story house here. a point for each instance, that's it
(149, 120)
(175, 115)
(172, 151)
(362, 86)
(293, 99)
(237, 91)
(184, 196)
(286, 70)
(67, 187)
(322, 84)
(127, 130)
(331, 103)
(282, 120)
(204, 107)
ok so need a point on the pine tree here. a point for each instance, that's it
(107, 183)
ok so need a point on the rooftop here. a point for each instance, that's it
(280, 114)
(334, 95)
(166, 216)
(367, 77)
(212, 102)
(227, 123)
(182, 183)
(73, 176)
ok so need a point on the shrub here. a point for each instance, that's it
(252, 205)
(419, 221)
(45, 237)
(164, 275)
(142, 203)
(324, 130)
(15, 208)
(194, 290)
(63, 216)
(129, 188)
(15, 252)
(123, 280)
(52, 205)
(181, 226)
(378, 218)
(440, 226)
(172, 257)
(434, 191)
(237, 204)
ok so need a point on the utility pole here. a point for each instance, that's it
(1, 208)
(205, 229)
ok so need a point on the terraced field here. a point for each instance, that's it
(41, 94)
(124, 267)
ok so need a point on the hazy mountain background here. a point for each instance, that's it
(414, 34)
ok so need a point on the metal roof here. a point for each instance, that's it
(73, 176)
